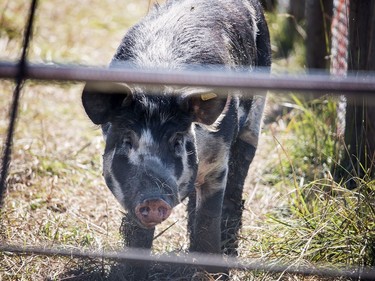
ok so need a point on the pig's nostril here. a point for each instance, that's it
(144, 211)
(162, 212)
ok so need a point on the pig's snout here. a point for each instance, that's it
(152, 211)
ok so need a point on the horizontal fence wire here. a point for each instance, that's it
(205, 261)
(352, 85)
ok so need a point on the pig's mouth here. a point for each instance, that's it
(152, 212)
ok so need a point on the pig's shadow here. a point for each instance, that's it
(95, 270)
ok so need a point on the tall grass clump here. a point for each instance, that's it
(308, 145)
(321, 221)
(327, 223)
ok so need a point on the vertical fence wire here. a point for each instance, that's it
(19, 80)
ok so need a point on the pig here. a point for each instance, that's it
(164, 143)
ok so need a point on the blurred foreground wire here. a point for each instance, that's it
(211, 262)
(19, 76)
(351, 85)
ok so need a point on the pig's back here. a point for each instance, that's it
(199, 32)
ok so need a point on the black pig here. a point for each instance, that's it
(167, 143)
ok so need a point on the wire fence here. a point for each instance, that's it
(350, 85)
(355, 85)
(209, 262)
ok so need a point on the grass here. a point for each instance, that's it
(294, 210)
(334, 226)
(309, 145)
(321, 220)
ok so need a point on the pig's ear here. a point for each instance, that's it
(102, 99)
(207, 107)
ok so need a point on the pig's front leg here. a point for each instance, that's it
(135, 237)
(209, 195)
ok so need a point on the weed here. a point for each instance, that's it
(324, 222)
(309, 143)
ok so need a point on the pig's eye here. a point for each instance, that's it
(177, 143)
(128, 143)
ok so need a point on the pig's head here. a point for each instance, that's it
(150, 158)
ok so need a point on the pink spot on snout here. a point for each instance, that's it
(152, 212)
